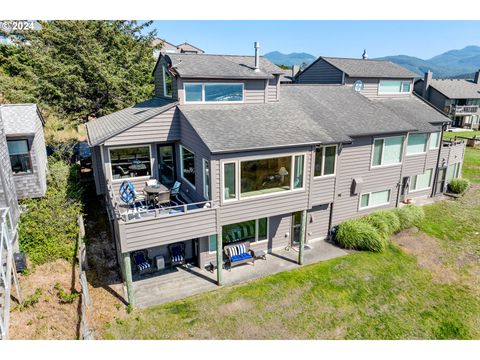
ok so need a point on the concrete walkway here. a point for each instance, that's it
(189, 280)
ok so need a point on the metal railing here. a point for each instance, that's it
(463, 109)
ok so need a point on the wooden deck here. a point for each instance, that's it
(189, 280)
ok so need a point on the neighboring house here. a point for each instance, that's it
(23, 127)
(459, 98)
(169, 48)
(289, 75)
(261, 162)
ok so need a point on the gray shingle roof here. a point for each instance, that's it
(20, 118)
(306, 114)
(107, 126)
(457, 88)
(221, 66)
(370, 68)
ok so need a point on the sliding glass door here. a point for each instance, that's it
(166, 164)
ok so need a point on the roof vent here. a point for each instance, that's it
(364, 55)
(257, 56)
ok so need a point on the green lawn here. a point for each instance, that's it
(392, 295)
(471, 165)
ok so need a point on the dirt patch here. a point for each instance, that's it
(430, 255)
(235, 307)
(48, 318)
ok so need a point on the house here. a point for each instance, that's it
(169, 48)
(289, 75)
(259, 162)
(459, 98)
(23, 128)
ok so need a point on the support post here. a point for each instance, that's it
(219, 259)
(127, 275)
(302, 237)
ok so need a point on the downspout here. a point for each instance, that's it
(435, 177)
(400, 184)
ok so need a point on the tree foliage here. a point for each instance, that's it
(79, 69)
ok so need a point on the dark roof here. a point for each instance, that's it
(105, 127)
(306, 114)
(456, 88)
(370, 68)
(221, 66)
(189, 47)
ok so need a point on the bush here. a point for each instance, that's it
(359, 235)
(386, 222)
(48, 230)
(409, 216)
(459, 186)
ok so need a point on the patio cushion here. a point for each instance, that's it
(140, 259)
(143, 266)
(177, 258)
(241, 257)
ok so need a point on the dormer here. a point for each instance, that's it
(371, 78)
(217, 79)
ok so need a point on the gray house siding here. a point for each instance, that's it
(354, 161)
(273, 89)
(98, 173)
(8, 194)
(433, 96)
(318, 220)
(322, 190)
(320, 72)
(158, 81)
(370, 87)
(163, 127)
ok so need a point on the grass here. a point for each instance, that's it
(364, 295)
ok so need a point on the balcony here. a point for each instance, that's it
(462, 109)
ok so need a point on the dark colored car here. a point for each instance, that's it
(83, 154)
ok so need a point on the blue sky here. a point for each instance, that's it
(423, 39)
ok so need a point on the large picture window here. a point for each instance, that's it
(421, 182)
(19, 152)
(394, 86)
(252, 230)
(167, 83)
(373, 199)
(209, 92)
(188, 165)
(265, 176)
(130, 162)
(416, 144)
(387, 151)
(434, 140)
(325, 157)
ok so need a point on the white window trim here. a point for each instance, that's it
(129, 178)
(425, 147)
(395, 92)
(237, 162)
(257, 222)
(383, 152)
(416, 179)
(206, 194)
(181, 165)
(165, 83)
(430, 140)
(323, 162)
(203, 93)
(370, 194)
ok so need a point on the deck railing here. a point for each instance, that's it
(463, 109)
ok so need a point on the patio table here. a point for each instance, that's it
(156, 191)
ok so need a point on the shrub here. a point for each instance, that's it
(409, 216)
(359, 235)
(386, 222)
(48, 230)
(30, 300)
(459, 186)
(65, 297)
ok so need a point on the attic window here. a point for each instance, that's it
(167, 83)
(393, 87)
(213, 92)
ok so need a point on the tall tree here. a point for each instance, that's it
(79, 69)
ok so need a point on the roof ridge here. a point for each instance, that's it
(346, 58)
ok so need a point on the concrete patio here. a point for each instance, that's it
(189, 280)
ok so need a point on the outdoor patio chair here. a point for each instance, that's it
(142, 263)
(130, 197)
(177, 254)
(122, 171)
(175, 192)
(239, 253)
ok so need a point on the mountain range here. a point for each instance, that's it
(454, 63)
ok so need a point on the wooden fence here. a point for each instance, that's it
(85, 329)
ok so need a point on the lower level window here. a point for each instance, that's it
(212, 243)
(376, 198)
(421, 182)
(252, 230)
(130, 162)
(19, 152)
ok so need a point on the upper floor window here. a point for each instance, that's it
(187, 165)
(434, 140)
(387, 151)
(325, 160)
(417, 144)
(210, 92)
(130, 162)
(167, 83)
(394, 86)
(19, 152)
